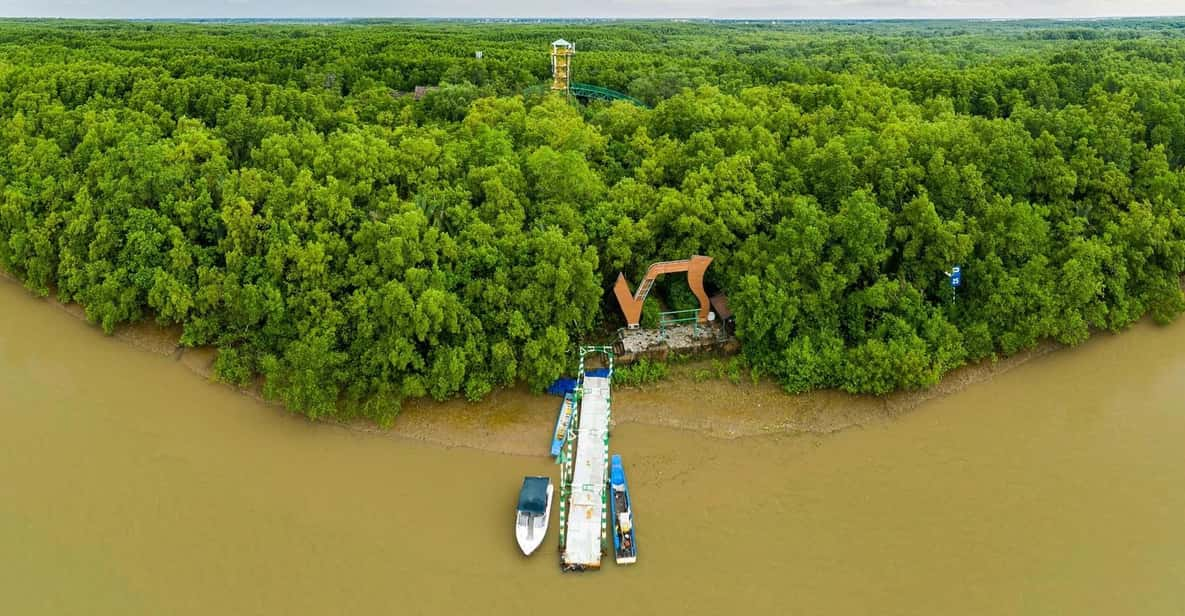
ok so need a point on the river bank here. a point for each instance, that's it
(515, 421)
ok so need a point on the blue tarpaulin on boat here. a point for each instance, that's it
(533, 497)
(562, 386)
(616, 472)
(601, 372)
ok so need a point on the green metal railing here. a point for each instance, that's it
(676, 317)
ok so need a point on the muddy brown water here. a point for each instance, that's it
(130, 486)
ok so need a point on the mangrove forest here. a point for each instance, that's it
(364, 212)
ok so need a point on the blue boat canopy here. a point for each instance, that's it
(562, 386)
(616, 471)
(533, 497)
(600, 372)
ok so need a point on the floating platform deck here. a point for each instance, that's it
(583, 521)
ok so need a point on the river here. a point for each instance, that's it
(128, 485)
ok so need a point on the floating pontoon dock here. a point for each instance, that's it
(583, 478)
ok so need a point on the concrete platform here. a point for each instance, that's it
(634, 344)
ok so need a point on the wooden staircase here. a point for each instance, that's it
(631, 303)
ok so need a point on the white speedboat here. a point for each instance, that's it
(534, 512)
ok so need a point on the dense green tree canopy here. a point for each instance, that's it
(277, 191)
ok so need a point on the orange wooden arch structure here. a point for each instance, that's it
(631, 303)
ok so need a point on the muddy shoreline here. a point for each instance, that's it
(514, 421)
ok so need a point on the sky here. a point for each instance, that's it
(719, 9)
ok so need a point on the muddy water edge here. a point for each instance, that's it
(129, 486)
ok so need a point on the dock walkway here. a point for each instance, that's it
(585, 524)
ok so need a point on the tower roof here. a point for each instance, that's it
(561, 43)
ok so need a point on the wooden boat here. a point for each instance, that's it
(625, 547)
(567, 408)
(534, 512)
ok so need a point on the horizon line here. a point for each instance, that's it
(603, 18)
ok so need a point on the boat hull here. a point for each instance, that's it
(625, 546)
(567, 408)
(530, 530)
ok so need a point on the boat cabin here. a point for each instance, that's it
(532, 499)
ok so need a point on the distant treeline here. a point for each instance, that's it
(264, 187)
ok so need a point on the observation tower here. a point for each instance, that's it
(561, 79)
(561, 65)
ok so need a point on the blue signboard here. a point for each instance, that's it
(956, 277)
